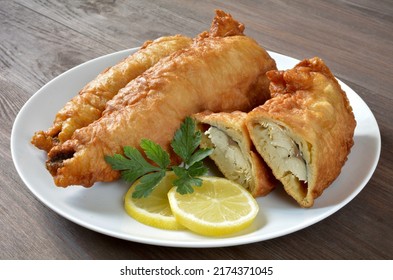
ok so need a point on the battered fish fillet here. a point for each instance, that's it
(215, 73)
(233, 152)
(305, 132)
(88, 105)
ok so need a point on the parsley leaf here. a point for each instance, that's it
(185, 182)
(155, 153)
(199, 155)
(197, 169)
(186, 140)
(134, 166)
(188, 177)
(147, 183)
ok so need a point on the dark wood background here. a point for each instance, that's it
(41, 39)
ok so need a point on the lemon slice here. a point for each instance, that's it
(218, 207)
(153, 210)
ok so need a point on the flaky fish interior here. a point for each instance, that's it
(233, 152)
(229, 154)
(305, 131)
(288, 155)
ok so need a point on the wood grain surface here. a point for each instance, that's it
(41, 39)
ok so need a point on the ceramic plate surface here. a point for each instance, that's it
(100, 208)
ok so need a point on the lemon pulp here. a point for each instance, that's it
(153, 210)
(218, 207)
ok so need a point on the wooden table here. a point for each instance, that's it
(41, 39)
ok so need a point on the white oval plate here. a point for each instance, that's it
(100, 208)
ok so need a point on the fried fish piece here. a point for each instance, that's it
(233, 152)
(88, 105)
(305, 132)
(215, 73)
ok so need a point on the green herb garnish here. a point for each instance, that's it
(185, 144)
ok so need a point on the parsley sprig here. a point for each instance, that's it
(185, 143)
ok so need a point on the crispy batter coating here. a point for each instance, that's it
(88, 105)
(215, 73)
(305, 131)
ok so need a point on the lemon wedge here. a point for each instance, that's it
(218, 207)
(153, 210)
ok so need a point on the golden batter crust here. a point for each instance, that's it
(88, 105)
(215, 73)
(308, 107)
